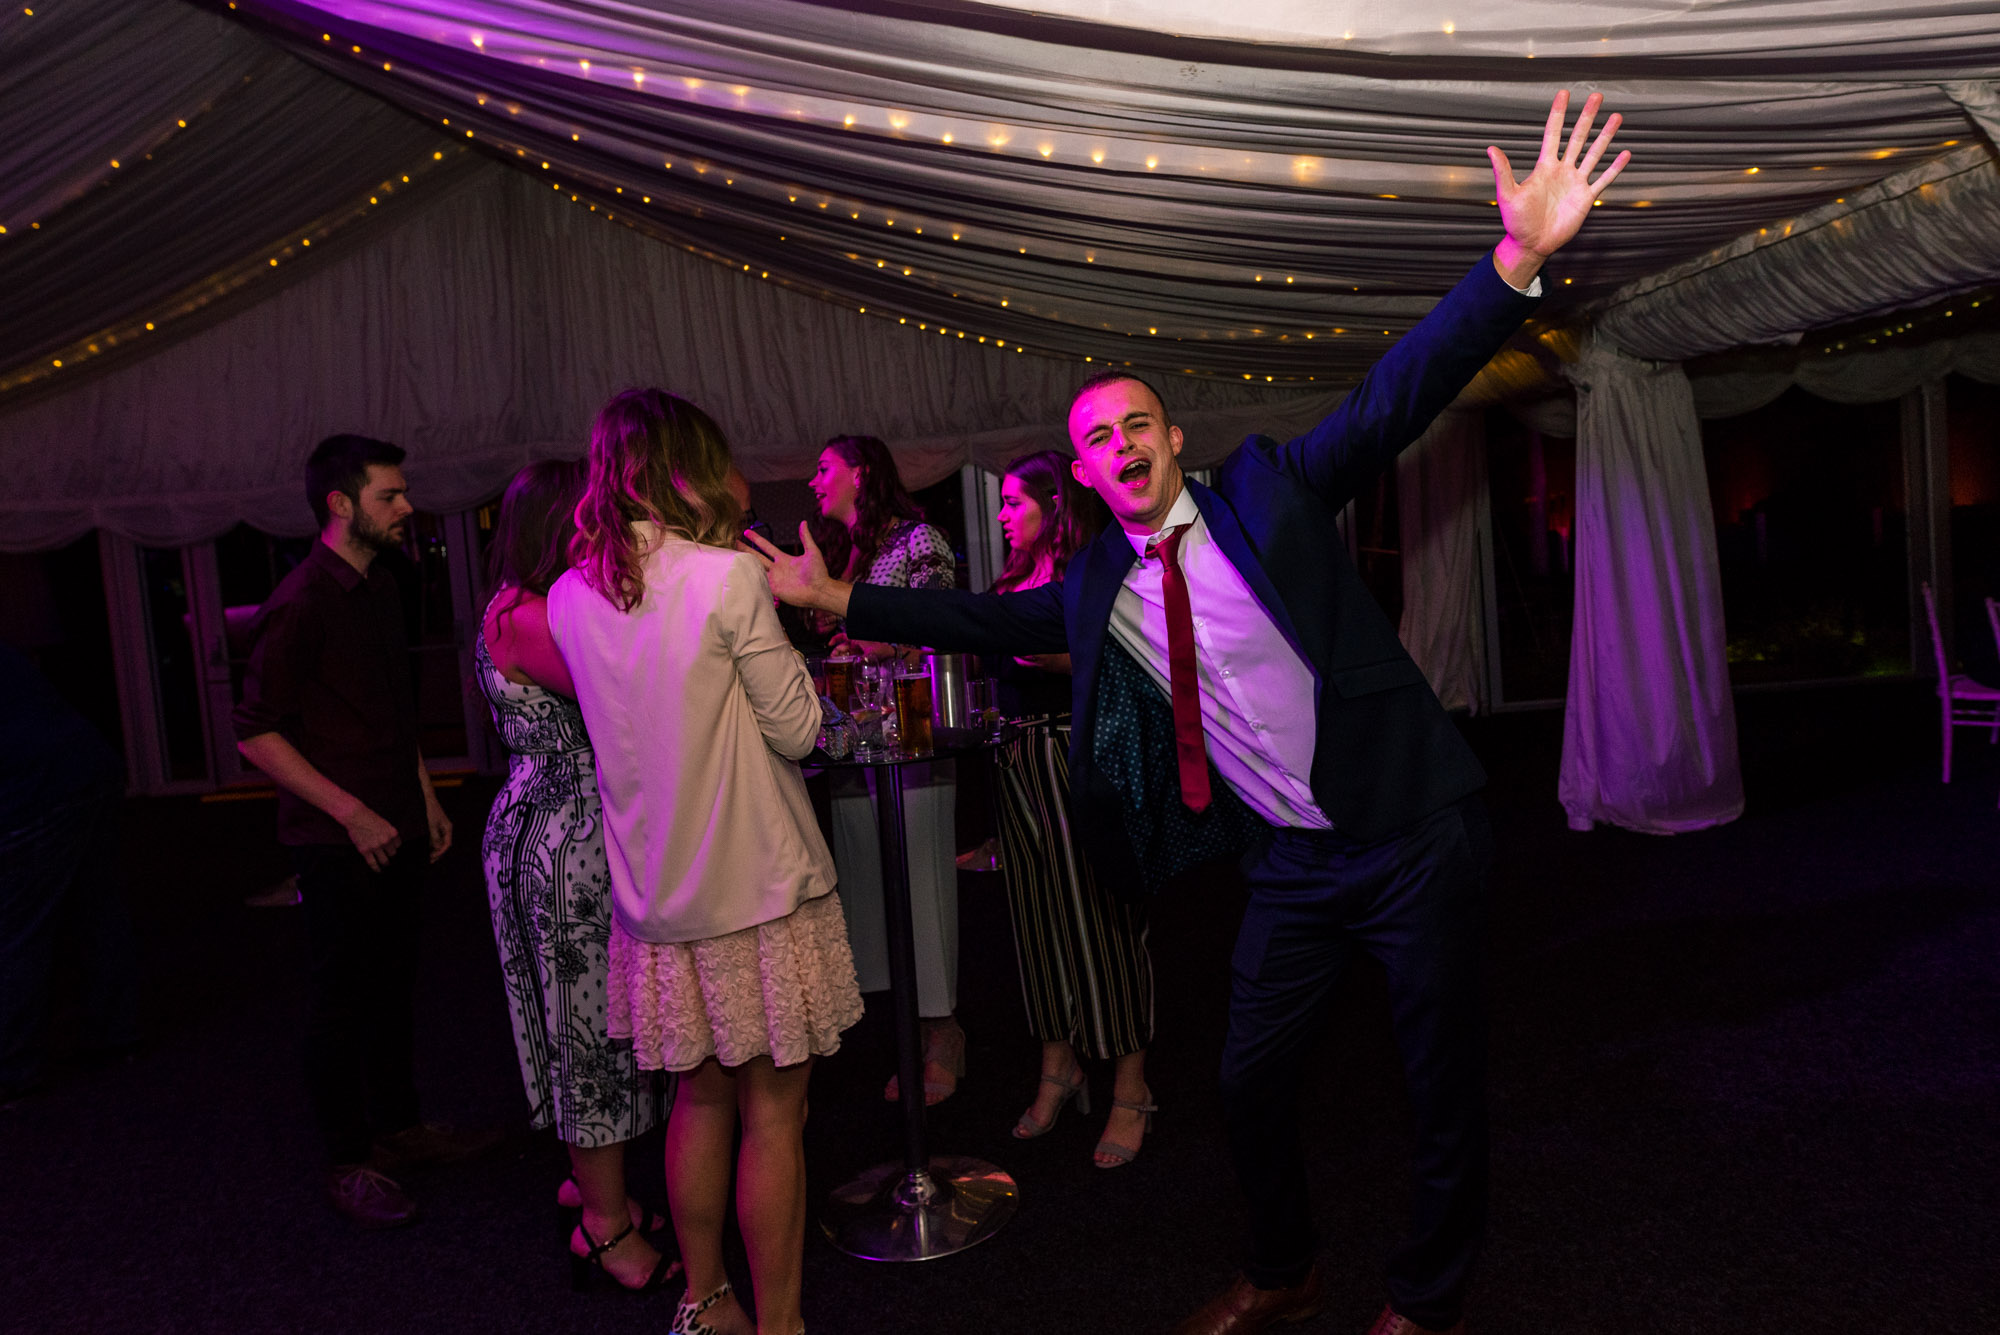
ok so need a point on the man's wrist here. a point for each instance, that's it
(832, 596)
(1516, 263)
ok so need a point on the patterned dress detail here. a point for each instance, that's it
(913, 555)
(549, 889)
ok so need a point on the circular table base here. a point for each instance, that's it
(892, 1214)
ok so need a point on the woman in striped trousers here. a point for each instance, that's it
(1085, 974)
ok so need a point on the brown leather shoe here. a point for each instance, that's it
(1243, 1308)
(429, 1143)
(1392, 1322)
(368, 1198)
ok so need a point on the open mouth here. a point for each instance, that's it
(1135, 473)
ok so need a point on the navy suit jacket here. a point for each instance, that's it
(1385, 754)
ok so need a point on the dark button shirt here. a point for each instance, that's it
(330, 671)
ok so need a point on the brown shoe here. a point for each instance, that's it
(1243, 1308)
(368, 1198)
(1392, 1322)
(430, 1143)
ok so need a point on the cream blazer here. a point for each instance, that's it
(699, 711)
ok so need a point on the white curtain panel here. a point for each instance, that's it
(1441, 503)
(1649, 738)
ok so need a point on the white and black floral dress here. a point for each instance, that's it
(549, 889)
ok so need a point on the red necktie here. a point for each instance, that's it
(1188, 747)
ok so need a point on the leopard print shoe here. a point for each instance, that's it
(687, 1316)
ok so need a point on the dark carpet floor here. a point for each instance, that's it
(1744, 1080)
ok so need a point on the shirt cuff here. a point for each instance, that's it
(1533, 289)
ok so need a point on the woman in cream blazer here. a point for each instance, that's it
(729, 958)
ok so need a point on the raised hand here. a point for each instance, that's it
(800, 580)
(1544, 211)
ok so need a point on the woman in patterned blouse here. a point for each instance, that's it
(874, 533)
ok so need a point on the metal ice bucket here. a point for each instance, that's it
(948, 701)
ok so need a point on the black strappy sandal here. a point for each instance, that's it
(573, 1214)
(584, 1268)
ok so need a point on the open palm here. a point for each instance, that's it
(1543, 212)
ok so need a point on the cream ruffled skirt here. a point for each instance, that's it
(783, 989)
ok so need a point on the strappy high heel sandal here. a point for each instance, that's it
(944, 1047)
(1119, 1152)
(1076, 1089)
(687, 1316)
(585, 1267)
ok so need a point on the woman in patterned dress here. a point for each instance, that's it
(548, 886)
(873, 531)
(729, 960)
(1086, 978)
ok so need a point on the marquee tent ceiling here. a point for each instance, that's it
(1267, 191)
(1058, 173)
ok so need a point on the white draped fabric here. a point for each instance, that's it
(483, 333)
(1441, 505)
(1649, 739)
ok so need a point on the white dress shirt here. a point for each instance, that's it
(1258, 719)
(699, 711)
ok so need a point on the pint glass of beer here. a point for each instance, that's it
(913, 711)
(842, 666)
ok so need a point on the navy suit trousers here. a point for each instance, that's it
(1416, 902)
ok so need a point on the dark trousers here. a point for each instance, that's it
(60, 883)
(1417, 903)
(362, 929)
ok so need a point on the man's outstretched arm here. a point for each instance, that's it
(1420, 376)
(1029, 622)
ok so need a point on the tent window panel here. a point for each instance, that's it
(423, 567)
(176, 670)
(53, 609)
(1532, 477)
(1972, 424)
(1810, 529)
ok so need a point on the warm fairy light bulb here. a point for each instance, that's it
(1151, 163)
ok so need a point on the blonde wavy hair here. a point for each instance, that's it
(653, 456)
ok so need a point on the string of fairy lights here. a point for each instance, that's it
(605, 197)
(258, 265)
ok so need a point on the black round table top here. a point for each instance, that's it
(947, 744)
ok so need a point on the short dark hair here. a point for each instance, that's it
(340, 463)
(1112, 378)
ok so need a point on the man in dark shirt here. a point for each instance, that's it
(329, 713)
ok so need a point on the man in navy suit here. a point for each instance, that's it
(1236, 689)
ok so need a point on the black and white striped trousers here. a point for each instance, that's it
(1085, 974)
